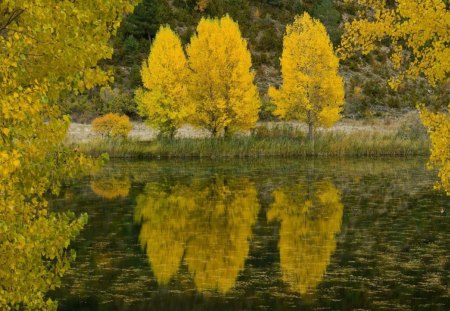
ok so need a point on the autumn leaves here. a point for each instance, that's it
(312, 90)
(213, 86)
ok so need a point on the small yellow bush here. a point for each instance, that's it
(112, 125)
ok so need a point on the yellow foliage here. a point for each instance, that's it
(418, 32)
(112, 125)
(312, 89)
(46, 47)
(221, 82)
(164, 218)
(111, 188)
(221, 232)
(438, 125)
(210, 222)
(311, 216)
(164, 99)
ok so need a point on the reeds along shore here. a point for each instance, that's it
(267, 143)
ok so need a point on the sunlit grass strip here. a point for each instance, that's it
(332, 144)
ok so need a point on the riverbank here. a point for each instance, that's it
(348, 138)
(331, 144)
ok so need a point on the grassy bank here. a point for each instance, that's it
(327, 144)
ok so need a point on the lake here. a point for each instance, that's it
(274, 234)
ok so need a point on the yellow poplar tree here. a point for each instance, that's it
(47, 47)
(164, 99)
(419, 36)
(221, 82)
(312, 89)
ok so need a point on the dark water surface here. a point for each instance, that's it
(259, 235)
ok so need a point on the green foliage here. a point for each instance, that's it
(278, 130)
(84, 108)
(267, 109)
(327, 13)
(130, 45)
(114, 101)
(146, 19)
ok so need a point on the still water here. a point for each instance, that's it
(259, 235)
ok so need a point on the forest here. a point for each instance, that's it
(275, 88)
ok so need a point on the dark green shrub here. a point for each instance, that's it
(326, 12)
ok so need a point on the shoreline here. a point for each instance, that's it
(326, 146)
(348, 138)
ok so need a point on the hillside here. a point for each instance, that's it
(262, 23)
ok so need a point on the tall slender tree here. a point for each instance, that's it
(312, 89)
(164, 99)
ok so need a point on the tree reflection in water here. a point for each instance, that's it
(209, 223)
(310, 216)
(111, 187)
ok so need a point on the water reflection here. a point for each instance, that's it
(164, 216)
(111, 187)
(221, 230)
(205, 248)
(310, 216)
(207, 224)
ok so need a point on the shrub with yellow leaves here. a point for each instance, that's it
(112, 125)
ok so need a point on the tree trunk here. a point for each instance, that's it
(226, 132)
(172, 133)
(214, 133)
(311, 131)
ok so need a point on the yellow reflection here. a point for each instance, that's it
(111, 188)
(164, 215)
(311, 216)
(221, 229)
(209, 222)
